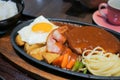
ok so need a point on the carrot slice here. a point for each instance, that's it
(65, 60)
(70, 64)
(58, 61)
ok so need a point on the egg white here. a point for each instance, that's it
(31, 37)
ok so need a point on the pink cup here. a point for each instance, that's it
(113, 11)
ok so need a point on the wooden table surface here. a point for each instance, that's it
(48, 8)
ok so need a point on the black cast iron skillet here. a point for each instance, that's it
(42, 63)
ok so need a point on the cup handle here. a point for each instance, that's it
(101, 6)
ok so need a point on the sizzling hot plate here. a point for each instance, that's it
(77, 74)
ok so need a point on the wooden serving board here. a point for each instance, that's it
(7, 50)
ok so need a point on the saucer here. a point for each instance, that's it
(101, 21)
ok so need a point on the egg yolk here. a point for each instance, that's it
(42, 27)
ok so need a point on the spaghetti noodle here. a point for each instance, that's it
(101, 63)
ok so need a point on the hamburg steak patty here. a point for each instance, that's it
(88, 37)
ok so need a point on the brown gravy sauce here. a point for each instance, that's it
(88, 37)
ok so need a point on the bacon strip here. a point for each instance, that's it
(56, 40)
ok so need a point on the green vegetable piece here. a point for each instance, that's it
(76, 66)
(81, 65)
(85, 71)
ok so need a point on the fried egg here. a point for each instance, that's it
(37, 31)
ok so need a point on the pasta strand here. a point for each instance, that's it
(101, 63)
